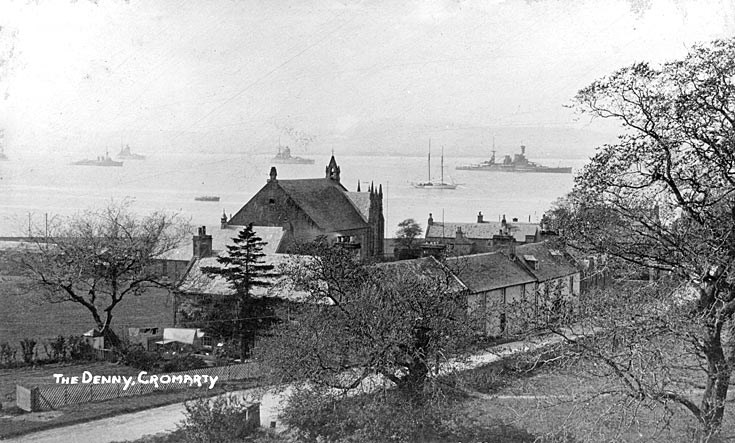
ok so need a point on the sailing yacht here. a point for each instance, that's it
(435, 185)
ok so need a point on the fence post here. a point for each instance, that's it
(91, 397)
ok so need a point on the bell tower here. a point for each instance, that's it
(332, 170)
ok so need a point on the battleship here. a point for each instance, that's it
(125, 154)
(519, 163)
(99, 161)
(284, 157)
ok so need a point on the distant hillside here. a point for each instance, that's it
(369, 138)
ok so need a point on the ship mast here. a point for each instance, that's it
(442, 182)
(429, 160)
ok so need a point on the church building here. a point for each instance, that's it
(313, 207)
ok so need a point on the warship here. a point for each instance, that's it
(125, 154)
(284, 157)
(519, 163)
(99, 161)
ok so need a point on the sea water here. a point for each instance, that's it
(34, 189)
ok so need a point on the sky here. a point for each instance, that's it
(367, 76)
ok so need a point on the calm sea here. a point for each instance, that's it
(31, 187)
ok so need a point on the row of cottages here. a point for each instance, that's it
(453, 238)
(510, 292)
(507, 293)
(309, 208)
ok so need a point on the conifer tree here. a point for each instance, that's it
(244, 269)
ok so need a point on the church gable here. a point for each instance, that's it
(271, 206)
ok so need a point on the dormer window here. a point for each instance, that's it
(532, 261)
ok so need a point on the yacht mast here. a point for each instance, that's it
(429, 160)
(442, 182)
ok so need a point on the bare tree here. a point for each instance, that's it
(98, 258)
(395, 320)
(661, 200)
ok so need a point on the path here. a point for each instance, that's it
(163, 419)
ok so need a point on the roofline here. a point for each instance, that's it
(365, 225)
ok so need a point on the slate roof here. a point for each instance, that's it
(196, 282)
(223, 237)
(488, 271)
(326, 202)
(425, 266)
(485, 230)
(361, 200)
(550, 266)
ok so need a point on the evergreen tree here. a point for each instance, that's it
(244, 269)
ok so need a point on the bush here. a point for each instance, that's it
(220, 420)
(183, 363)
(139, 358)
(79, 349)
(27, 345)
(58, 348)
(7, 354)
(388, 416)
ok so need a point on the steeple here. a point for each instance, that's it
(332, 170)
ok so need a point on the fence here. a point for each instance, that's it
(46, 397)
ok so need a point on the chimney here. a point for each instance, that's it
(273, 174)
(459, 235)
(431, 219)
(511, 250)
(202, 243)
(503, 226)
(479, 217)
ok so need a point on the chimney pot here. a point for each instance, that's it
(479, 217)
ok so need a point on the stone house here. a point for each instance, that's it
(482, 236)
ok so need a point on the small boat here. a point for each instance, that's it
(207, 198)
(435, 185)
(99, 161)
(125, 154)
(284, 157)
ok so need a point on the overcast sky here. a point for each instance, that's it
(78, 71)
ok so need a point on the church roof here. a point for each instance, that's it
(484, 230)
(326, 202)
(361, 200)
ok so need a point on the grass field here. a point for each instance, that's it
(28, 316)
(564, 402)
